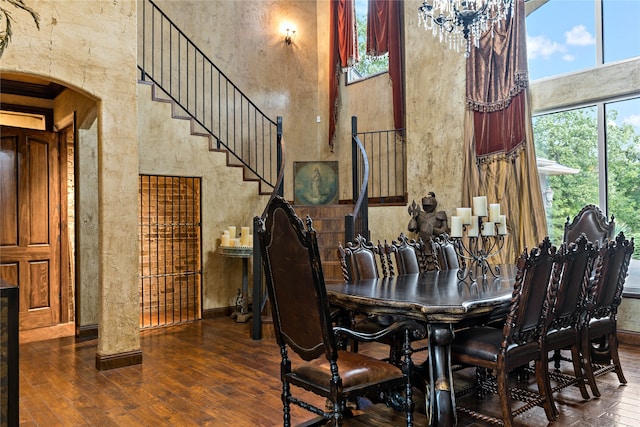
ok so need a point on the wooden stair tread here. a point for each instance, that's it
(328, 221)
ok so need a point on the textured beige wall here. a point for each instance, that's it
(245, 40)
(90, 46)
(435, 95)
(167, 148)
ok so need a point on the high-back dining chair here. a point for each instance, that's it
(603, 301)
(358, 259)
(408, 254)
(566, 303)
(592, 222)
(302, 322)
(518, 342)
(446, 252)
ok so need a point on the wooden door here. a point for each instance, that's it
(30, 222)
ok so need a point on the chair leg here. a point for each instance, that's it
(557, 357)
(577, 371)
(587, 365)
(544, 388)
(502, 377)
(546, 381)
(615, 357)
(286, 408)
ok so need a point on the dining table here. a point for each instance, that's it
(442, 302)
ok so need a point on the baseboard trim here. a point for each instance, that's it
(119, 360)
(213, 313)
(628, 337)
(86, 332)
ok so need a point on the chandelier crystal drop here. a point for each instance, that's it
(461, 23)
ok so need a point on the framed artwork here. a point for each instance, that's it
(315, 183)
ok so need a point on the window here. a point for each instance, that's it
(621, 24)
(592, 145)
(367, 65)
(561, 38)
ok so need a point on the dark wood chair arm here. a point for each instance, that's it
(416, 331)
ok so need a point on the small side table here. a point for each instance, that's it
(244, 315)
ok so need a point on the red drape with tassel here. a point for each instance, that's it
(384, 34)
(343, 52)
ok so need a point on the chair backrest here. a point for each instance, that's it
(592, 222)
(611, 273)
(447, 256)
(385, 252)
(407, 252)
(295, 283)
(567, 295)
(358, 259)
(526, 316)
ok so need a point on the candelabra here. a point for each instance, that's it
(485, 235)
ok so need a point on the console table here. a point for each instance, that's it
(244, 315)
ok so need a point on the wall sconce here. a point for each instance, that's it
(289, 36)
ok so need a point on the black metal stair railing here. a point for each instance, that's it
(169, 59)
(358, 222)
(378, 160)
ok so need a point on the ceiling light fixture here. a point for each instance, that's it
(462, 22)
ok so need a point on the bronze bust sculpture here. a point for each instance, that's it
(427, 222)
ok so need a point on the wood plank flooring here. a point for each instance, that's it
(210, 373)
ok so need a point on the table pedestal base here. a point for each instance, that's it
(439, 394)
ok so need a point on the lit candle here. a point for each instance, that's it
(488, 228)
(456, 226)
(480, 206)
(472, 231)
(465, 214)
(502, 225)
(232, 232)
(224, 240)
(494, 212)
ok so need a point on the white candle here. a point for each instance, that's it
(480, 206)
(244, 236)
(502, 226)
(232, 232)
(456, 226)
(225, 233)
(488, 228)
(494, 212)
(224, 240)
(465, 214)
(472, 231)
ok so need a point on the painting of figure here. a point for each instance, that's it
(315, 183)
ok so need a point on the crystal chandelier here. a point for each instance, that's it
(462, 22)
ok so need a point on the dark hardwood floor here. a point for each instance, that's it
(210, 373)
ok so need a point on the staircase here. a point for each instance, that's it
(328, 221)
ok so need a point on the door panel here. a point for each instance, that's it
(30, 222)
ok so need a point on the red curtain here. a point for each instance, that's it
(384, 34)
(343, 52)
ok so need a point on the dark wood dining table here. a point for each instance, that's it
(442, 302)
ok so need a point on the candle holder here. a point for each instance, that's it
(477, 238)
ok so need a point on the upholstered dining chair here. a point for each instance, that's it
(358, 262)
(592, 222)
(603, 301)
(446, 252)
(566, 302)
(302, 322)
(518, 343)
(408, 254)
(358, 259)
